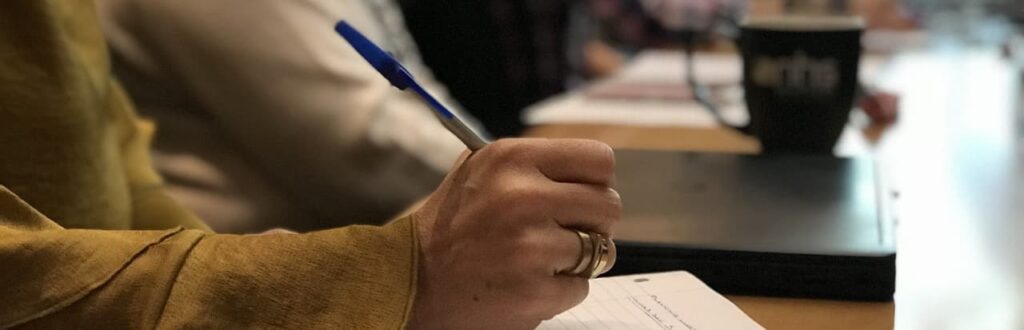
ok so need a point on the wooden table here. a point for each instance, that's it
(957, 160)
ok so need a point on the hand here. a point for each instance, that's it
(497, 234)
(882, 107)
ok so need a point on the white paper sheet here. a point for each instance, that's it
(649, 68)
(672, 300)
(665, 67)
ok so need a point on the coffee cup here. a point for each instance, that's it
(799, 79)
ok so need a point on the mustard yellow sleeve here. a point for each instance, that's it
(353, 277)
(70, 143)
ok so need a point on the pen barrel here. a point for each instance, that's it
(450, 121)
(472, 140)
(403, 80)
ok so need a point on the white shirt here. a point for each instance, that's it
(268, 118)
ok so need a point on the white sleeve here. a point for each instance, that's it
(296, 96)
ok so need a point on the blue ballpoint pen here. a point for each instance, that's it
(399, 77)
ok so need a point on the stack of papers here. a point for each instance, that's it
(672, 300)
(652, 91)
(666, 101)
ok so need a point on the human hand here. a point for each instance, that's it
(498, 234)
(882, 107)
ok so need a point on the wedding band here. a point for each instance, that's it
(594, 255)
(586, 253)
(601, 256)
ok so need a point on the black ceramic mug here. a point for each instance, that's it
(799, 79)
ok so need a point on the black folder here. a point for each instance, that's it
(809, 226)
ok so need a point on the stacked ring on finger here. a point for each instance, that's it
(601, 256)
(594, 255)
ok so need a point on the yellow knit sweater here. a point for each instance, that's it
(74, 155)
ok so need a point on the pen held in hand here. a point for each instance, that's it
(399, 77)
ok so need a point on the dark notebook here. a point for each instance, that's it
(793, 225)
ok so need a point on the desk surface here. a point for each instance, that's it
(956, 158)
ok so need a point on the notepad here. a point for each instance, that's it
(671, 300)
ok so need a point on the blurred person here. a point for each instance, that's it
(620, 28)
(512, 54)
(815, 7)
(615, 30)
(877, 14)
(689, 15)
(497, 56)
(269, 119)
(89, 237)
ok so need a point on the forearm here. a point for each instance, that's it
(341, 278)
(353, 277)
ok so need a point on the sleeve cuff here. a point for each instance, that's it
(352, 277)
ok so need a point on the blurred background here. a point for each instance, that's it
(947, 133)
(511, 54)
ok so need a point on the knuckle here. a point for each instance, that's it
(604, 154)
(609, 208)
(521, 195)
(616, 208)
(506, 151)
(608, 204)
(530, 246)
(614, 200)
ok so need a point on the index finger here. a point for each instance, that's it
(577, 161)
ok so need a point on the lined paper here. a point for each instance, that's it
(672, 300)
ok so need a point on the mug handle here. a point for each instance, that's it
(702, 94)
